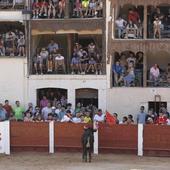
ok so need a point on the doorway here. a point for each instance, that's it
(52, 95)
(87, 97)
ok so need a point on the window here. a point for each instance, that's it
(156, 106)
(12, 39)
(158, 22)
(67, 54)
(129, 22)
(127, 69)
(158, 69)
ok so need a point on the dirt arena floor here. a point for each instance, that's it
(72, 161)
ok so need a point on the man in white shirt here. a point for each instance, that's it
(120, 26)
(59, 63)
(46, 110)
(99, 117)
(154, 74)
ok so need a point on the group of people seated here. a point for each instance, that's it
(158, 76)
(128, 69)
(48, 8)
(132, 28)
(88, 8)
(86, 60)
(49, 60)
(12, 43)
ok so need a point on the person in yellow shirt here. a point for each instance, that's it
(87, 118)
(85, 6)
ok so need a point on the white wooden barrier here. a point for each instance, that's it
(5, 137)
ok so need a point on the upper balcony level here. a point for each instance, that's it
(52, 9)
(145, 19)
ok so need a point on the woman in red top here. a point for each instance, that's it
(43, 10)
(162, 119)
(36, 9)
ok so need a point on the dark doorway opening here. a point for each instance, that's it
(52, 94)
(156, 105)
(87, 97)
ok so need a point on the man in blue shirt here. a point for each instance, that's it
(141, 117)
(2, 113)
(117, 69)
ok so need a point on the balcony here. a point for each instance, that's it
(67, 9)
(12, 4)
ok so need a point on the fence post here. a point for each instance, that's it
(96, 140)
(140, 139)
(51, 137)
(5, 137)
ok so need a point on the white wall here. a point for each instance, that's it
(12, 79)
(11, 16)
(126, 101)
(69, 82)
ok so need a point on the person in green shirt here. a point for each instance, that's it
(18, 111)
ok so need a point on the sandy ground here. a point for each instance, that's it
(72, 161)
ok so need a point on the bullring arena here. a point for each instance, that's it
(69, 64)
(70, 161)
(29, 145)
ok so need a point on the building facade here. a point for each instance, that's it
(20, 79)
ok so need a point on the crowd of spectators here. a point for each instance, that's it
(132, 28)
(12, 43)
(47, 111)
(130, 25)
(80, 114)
(48, 8)
(49, 60)
(87, 8)
(84, 60)
(128, 69)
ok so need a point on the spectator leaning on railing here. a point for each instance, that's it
(65, 113)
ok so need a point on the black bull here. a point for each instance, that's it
(87, 143)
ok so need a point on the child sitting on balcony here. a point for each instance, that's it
(92, 8)
(43, 9)
(51, 9)
(62, 6)
(92, 65)
(77, 11)
(50, 64)
(85, 7)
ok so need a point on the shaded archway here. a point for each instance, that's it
(87, 96)
(53, 95)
